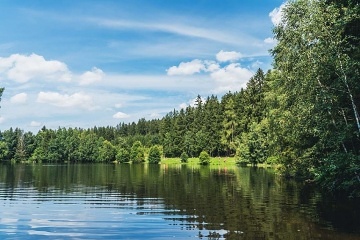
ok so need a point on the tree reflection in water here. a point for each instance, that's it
(233, 202)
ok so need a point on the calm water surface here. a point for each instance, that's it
(98, 201)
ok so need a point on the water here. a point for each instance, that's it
(122, 201)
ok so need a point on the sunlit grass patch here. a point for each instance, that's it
(218, 161)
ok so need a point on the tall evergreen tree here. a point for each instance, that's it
(229, 123)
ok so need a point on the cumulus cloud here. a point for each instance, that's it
(35, 124)
(79, 99)
(231, 78)
(22, 68)
(276, 14)
(120, 115)
(211, 66)
(2, 119)
(19, 98)
(187, 68)
(231, 56)
(95, 75)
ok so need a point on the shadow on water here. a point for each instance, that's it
(171, 200)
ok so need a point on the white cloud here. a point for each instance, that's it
(183, 105)
(120, 115)
(231, 78)
(211, 66)
(2, 119)
(269, 40)
(256, 65)
(95, 75)
(22, 68)
(35, 124)
(79, 99)
(191, 102)
(169, 26)
(187, 68)
(276, 14)
(19, 98)
(231, 56)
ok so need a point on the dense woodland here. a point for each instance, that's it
(302, 114)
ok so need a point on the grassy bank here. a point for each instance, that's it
(219, 161)
(215, 161)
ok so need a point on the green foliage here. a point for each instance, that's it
(107, 152)
(184, 157)
(123, 156)
(89, 147)
(4, 150)
(154, 154)
(253, 145)
(242, 155)
(229, 124)
(340, 173)
(272, 160)
(314, 116)
(137, 153)
(204, 158)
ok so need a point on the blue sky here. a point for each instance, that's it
(92, 63)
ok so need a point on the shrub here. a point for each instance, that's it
(184, 157)
(154, 155)
(204, 158)
(137, 154)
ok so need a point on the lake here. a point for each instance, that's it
(124, 201)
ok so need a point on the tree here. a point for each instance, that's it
(204, 158)
(20, 153)
(317, 91)
(137, 153)
(229, 124)
(212, 125)
(253, 145)
(184, 157)
(4, 151)
(154, 155)
(107, 152)
(123, 156)
(89, 147)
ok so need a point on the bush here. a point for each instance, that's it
(204, 158)
(272, 160)
(184, 157)
(137, 154)
(241, 156)
(123, 156)
(154, 155)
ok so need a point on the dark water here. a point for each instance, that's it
(164, 202)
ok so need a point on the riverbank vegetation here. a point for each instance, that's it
(302, 114)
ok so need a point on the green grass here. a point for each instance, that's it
(215, 161)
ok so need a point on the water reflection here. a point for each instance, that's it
(162, 202)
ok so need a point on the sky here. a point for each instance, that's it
(89, 63)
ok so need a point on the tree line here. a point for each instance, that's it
(302, 114)
(210, 125)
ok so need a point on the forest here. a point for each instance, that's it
(302, 114)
